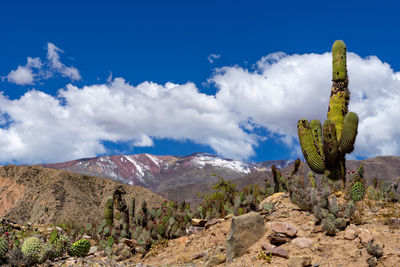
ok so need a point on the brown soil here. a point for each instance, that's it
(43, 196)
(327, 250)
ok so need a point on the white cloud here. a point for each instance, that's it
(44, 130)
(35, 71)
(56, 65)
(212, 57)
(21, 76)
(286, 88)
(279, 90)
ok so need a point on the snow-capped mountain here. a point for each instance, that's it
(159, 173)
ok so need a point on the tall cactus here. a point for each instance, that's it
(109, 211)
(325, 148)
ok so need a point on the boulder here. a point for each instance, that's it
(245, 231)
(351, 232)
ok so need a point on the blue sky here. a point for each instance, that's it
(178, 77)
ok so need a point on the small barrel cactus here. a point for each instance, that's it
(32, 246)
(3, 247)
(80, 248)
(357, 191)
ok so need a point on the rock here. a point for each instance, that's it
(216, 260)
(372, 262)
(277, 197)
(93, 249)
(194, 229)
(123, 254)
(274, 251)
(245, 231)
(229, 216)
(199, 255)
(100, 253)
(278, 239)
(129, 242)
(198, 222)
(121, 250)
(299, 261)
(365, 238)
(394, 223)
(303, 242)
(351, 232)
(318, 229)
(212, 222)
(283, 228)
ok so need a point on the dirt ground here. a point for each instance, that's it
(198, 249)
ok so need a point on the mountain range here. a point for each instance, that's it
(160, 173)
(183, 178)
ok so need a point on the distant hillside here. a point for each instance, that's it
(44, 196)
(189, 193)
(160, 173)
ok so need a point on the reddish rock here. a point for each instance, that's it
(212, 222)
(283, 228)
(198, 222)
(318, 229)
(274, 250)
(365, 238)
(351, 232)
(278, 239)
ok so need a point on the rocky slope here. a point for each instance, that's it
(44, 196)
(304, 244)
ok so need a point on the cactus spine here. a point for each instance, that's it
(325, 149)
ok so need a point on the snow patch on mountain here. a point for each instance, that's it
(154, 159)
(235, 165)
(140, 173)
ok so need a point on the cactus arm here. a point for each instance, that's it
(316, 129)
(339, 71)
(340, 94)
(309, 148)
(350, 125)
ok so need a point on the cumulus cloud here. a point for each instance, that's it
(273, 94)
(285, 88)
(56, 65)
(43, 129)
(24, 74)
(34, 70)
(212, 57)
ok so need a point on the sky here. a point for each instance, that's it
(232, 78)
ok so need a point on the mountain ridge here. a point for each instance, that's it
(159, 173)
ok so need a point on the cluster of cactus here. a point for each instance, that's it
(34, 249)
(320, 200)
(228, 200)
(383, 191)
(151, 226)
(281, 182)
(325, 148)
